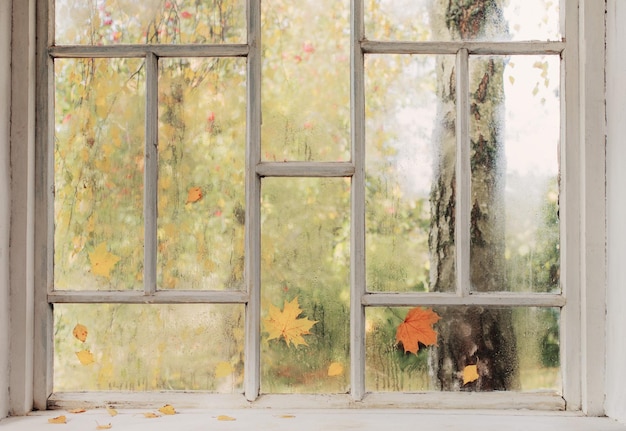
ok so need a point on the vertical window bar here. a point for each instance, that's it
(463, 174)
(150, 174)
(252, 257)
(357, 247)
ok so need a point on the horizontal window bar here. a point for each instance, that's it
(476, 48)
(305, 169)
(126, 51)
(139, 297)
(486, 299)
(430, 400)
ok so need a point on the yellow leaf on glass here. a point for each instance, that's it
(168, 409)
(58, 420)
(102, 262)
(225, 418)
(80, 332)
(470, 374)
(77, 411)
(104, 426)
(194, 195)
(223, 369)
(335, 369)
(85, 357)
(286, 324)
(151, 415)
(111, 411)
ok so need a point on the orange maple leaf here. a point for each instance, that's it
(286, 323)
(194, 194)
(417, 328)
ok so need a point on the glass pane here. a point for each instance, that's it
(462, 349)
(306, 80)
(148, 347)
(202, 118)
(305, 303)
(98, 174)
(410, 136)
(104, 22)
(515, 129)
(442, 20)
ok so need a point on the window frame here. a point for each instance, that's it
(581, 235)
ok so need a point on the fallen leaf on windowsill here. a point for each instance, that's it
(103, 427)
(112, 411)
(77, 411)
(225, 418)
(151, 415)
(58, 420)
(168, 409)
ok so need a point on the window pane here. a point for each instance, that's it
(148, 347)
(515, 170)
(409, 131)
(306, 80)
(202, 117)
(471, 338)
(104, 22)
(305, 276)
(98, 174)
(442, 20)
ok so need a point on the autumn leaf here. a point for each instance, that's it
(103, 427)
(77, 411)
(58, 420)
(168, 409)
(417, 328)
(223, 369)
(194, 194)
(80, 332)
(102, 262)
(225, 418)
(286, 323)
(85, 357)
(151, 415)
(111, 411)
(335, 369)
(470, 374)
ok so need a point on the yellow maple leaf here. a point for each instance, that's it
(58, 420)
(470, 374)
(335, 369)
(102, 262)
(80, 332)
(225, 418)
(168, 409)
(85, 357)
(286, 323)
(104, 426)
(223, 369)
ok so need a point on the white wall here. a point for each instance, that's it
(616, 190)
(5, 200)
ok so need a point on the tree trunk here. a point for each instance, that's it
(471, 335)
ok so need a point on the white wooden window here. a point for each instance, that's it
(266, 166)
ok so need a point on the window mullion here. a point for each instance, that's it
(252, 371)
(150, 174)
(463, 176)
(357, 274)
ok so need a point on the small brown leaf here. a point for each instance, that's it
(58, 420)
(77, 411)
(225, 418)
(80, 332)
